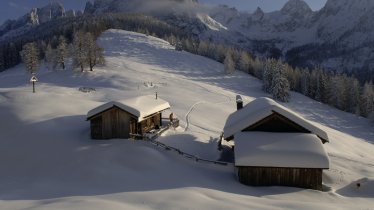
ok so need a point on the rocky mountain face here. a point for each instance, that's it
(338, 37)
(36, 16)
(144, 6)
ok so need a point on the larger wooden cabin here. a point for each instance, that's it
(276, 146)
(128, 118)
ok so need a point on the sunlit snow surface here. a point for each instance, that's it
(48, 161)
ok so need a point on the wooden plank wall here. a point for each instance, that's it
(96, 128)
(113, 123)
(292, 177)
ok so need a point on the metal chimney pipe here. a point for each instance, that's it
(239, 102)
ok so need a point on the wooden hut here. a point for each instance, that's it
(128, 118)
(276, 146)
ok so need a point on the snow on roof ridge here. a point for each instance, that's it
(140, 106)
(261, 108)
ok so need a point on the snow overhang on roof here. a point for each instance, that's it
(261, 108)
(141, 107)
(284, 150)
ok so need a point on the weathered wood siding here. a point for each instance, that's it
(292, 177)
(96, 128)
(113, 123)
(150, 123)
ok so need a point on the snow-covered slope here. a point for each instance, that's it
(49, 162)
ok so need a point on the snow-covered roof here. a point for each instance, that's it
(140, 107)
(289, 150)
(261, 108)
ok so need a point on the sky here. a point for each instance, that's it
(12, 9)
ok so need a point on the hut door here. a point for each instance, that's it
(133, 126)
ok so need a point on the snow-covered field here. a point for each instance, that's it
(47, 160)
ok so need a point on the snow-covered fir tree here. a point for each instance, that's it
(367, 99)
(30, 56)
(336, 87)
(280, 86)
(229, 64)
(258, 68)
(219, 52)
(268, 74)
(172, 40)
(62, 52)
(305, 82)
(353, 95)
(245, 62)
(80, 54)
(203, 48)
(321, 86)
(50, 57)
(179, 46)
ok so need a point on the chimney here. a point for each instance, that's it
(239, 102)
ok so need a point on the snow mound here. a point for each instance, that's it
(363, 188)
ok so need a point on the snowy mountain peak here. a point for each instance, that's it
(332, 7)
(210, 22)
(258, 14)
(34, 18)
(52, 11)
(296, 8)
(102, 6)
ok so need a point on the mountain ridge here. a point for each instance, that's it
(297, 34)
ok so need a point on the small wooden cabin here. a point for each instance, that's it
(128, 118)
(276, 146)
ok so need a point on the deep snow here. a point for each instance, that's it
(49, 162)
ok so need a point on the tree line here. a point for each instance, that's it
(83, 51)
(49, 32)
(341, 91)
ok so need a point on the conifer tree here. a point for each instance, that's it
(229, 64)
(280, 86)
(2, 61)
(50, 57)
(30, 56)
(203, 48)
(80, 53)
(258, 68)
(305, 82)
(367, 99)
(268, 74)
(245, 62)
(353, 97)
(62, 52)
(321, 87)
